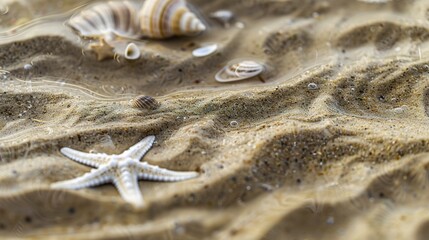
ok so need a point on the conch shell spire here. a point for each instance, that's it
(167, 18)
(151, 19)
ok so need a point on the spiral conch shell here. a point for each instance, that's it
(151, 19)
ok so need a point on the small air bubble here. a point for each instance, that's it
(312, 86)
(233, 124)
(28, 67)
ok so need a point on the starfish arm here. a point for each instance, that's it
(155, 173)
(138, 150)
(126, 181)
(90, 159)
(103, 50)
(94, 178)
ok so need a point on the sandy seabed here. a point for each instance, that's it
(347, 159)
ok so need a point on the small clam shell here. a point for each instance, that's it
(144, 102)
(205, 51)
(241, 70)
(132, 52)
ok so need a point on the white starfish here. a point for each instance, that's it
(123, 170)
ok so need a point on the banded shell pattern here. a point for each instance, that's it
(108, 20)
(151, 19)
(240, 70)
(144, 102)
(167, 18)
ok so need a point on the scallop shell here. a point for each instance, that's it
(132, 52)
(240, 70)
(144, 102)
(151, 19)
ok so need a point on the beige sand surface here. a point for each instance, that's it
(348, 160)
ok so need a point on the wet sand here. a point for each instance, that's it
(278, 159)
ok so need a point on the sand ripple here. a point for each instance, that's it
(347, 159)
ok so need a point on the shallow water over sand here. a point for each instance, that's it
(330, 143)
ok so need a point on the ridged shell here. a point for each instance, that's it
(107, 20)
(240, 70)
(167, 18)
(145, 102)
(151, 19)
(132, 52)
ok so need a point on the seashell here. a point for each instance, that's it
(240, 70)
(108, 20)
(224, 17)
(151, 19)
(205, 51)
(132, 52)
(144, 102)
(167, 18)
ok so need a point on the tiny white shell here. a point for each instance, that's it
(205, 51)
(132, 52)
(241, 70)
(225, 17)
